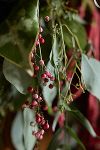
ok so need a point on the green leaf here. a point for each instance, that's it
(29, 139)
(17, 132)
(55, 121)
(19, 33)
(90, 69)
(74, 135)
(21, 129)
(54, 52)
(80, 117)
(78, 30)
(49, 94)
(18, 77)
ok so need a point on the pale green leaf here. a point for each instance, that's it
(18, 77)
(90, 69)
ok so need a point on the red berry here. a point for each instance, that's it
(41, 62)
(43, 76)
(55, 108)
(48, 74)
(36, 68)
(34, 103)
(40, 137)
(46, 126)
(30, 89)
(38, 119)
(37, 43)
(42, 122)
(50, 86)
(41, 131)
(45, 108)
(39, 99)
(42, 41)
(47, 18)
(52, 78)
(39, 36)
(35, 96)
(41, 29)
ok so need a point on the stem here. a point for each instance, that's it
(74, 36)
(63, 44)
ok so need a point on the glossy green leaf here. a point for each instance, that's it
(75, 137)
(90, 69)
(19, 33)
(18, 77)
(78, 30)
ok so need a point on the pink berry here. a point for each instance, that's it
(42, 122)
(45, 108)
(37, 135)
(38, 119)
(42, 41)
(36, 68)
(35, 96)
(41, 29)
(46, 126)
(41, 131)
(47, 18)
(34, 103)
(39, 99)
(50, 86)
(39, 36)
(55, 108)
(52, 78)
(41, 62)
(40, 137)
(37, 43)
(30, 89)
(48, 74)
(43, 76)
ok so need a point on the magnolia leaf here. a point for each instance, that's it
(49, 94)
(20, 30)
(78, 30)
(76, 138)
(29, 139)
(90, 69)
(18, 77)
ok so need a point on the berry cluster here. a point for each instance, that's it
(36, 105)
(37, 102)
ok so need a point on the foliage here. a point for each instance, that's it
(31, 54)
